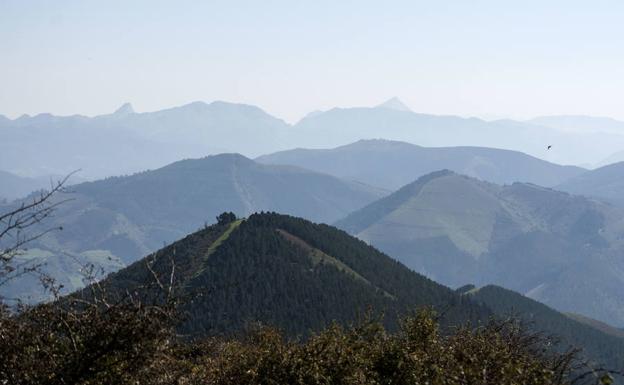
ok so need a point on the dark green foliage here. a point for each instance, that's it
(226, 218)
(305, 279)
(497, 354)
(258, 274)
(75, 342)
(465, 289)
(265, 272)
(596, 345)
(131, 343)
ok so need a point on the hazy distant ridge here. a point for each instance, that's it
(46, 144)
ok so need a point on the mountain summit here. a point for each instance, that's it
(290, 273)
(125, 109)
(394, 104)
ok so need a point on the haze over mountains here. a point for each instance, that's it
(474, 224)
(587, 124)
(14, 186)
(606, 183)
(311, 193)
(116, 219)
(340, 126)
(124, 218)
(46, 144)
(560, 249)
(391, 164)
(581, 124)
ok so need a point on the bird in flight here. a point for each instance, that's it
(549, 147)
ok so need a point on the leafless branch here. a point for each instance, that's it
(16, 223)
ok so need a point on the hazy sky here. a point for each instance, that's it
(483, 58)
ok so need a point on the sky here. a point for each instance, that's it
(489, 59)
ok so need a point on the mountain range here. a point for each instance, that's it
(124, 218)
(339, 126)
(463, 230)
(581, 124)
(14, 186)
(560, 249)
(391, 164)
(495, 217)
(46, 144)
(300, 277)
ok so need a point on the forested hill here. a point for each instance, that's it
(598, 345)
(300, 276)
(290, 273)
(124, 218)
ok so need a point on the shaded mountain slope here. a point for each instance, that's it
(595, 324)
(190, 192)
(131, 216)
(597, 344)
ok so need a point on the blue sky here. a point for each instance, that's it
(472, 58)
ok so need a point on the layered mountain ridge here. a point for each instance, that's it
(300, 277)
(124, 218)
(392, 164)
(560, 249)
(46, 144)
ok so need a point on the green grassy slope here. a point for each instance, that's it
(560, 249)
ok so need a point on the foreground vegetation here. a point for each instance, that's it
(128, 342)
(130, 335)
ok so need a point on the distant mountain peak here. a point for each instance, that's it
(200, 104)
(379, 143)
(125, 109)
(394, 104)
(313, 114)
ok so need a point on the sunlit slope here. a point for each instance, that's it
(561, 249)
